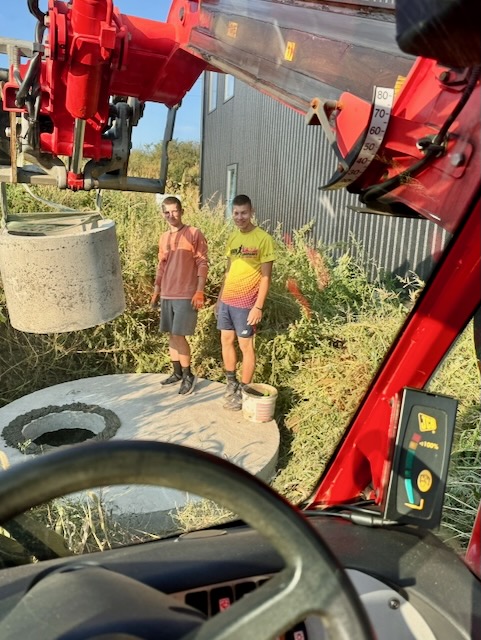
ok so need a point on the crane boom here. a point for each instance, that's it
(91, 70)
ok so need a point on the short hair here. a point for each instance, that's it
(241, 200)
(171, 200)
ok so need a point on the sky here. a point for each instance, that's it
(17, 22)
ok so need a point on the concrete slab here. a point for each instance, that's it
(149, 411)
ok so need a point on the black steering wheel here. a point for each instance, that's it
(312, 581)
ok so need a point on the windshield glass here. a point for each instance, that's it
(325, 322)
(328, 326)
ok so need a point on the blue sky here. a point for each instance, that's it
(17, 22)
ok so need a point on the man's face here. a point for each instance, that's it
(173, 214)
(242, 216)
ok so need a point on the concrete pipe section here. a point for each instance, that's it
(138, 407)
(62, 280)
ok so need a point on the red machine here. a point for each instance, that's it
(414, 149)
(85, 86)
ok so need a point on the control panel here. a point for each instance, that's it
(421, 458)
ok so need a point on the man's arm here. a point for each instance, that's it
(158, 277)
(200, 250)
(222, 285)
(198, 298)
(202, 263)
(255, 314)
(155, 296)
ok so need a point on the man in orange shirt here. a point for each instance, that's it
(180, 281)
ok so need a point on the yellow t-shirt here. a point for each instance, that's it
(246, 251)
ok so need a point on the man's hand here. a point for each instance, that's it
(154, 300)
(255, 316)
(198, 300)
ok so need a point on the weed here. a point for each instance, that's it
(321, 339)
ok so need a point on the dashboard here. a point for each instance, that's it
(412, 586)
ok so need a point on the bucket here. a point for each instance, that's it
(258, 402)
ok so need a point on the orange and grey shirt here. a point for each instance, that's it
(182, 259)
(246, 252)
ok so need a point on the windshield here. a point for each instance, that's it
(327, 330)
(341, 334)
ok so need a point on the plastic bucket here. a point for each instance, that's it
(258, 402)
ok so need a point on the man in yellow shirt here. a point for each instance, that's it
(180, 281)
(250, 255)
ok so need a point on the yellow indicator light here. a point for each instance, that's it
(416, 507)
(399, 84)
(232, 29)
(425, 480)
(289, 52)
(427, 423)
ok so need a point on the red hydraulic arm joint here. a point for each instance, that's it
(94, 53)
(92, 45)
(427, 149)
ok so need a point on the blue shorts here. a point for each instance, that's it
(234, 319)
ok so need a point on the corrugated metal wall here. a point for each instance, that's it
(281, 163)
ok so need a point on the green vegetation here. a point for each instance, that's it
(325, 331)
(184, 163)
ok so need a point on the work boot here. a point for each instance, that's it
(234, 402)
(230, 388)
(172, 379)
(187, 385)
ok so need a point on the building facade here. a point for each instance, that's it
(255, 145)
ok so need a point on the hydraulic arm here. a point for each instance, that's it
(91, 69)
(90, 72)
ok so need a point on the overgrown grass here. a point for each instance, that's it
(325, 331)
(458, 377)
(327, 386)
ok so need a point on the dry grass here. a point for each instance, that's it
(201, 514)
(87, 525)
(328, 387)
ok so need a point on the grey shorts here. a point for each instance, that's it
(177, 317)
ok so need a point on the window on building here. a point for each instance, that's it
(231, 188)
(228, 87)
(212, 82)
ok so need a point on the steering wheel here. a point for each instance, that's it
(312, 581)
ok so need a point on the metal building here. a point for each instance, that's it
(253, 144)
